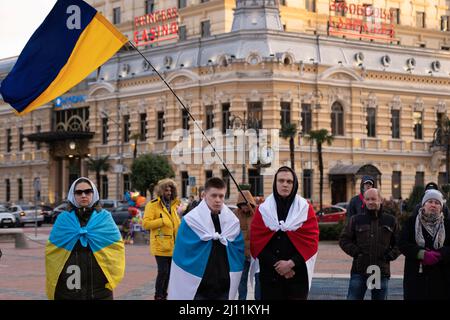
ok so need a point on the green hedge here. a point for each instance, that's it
(330, 231)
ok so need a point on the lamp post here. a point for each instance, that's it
(239, 123)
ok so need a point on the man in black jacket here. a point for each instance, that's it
(370, 238)
(356, 205)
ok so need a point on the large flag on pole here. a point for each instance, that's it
(73, 41)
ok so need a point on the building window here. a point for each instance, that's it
(160, 126)
(20, 189)
(417, 121)
(285, 113)
(371, 122)
(255, 180)
(203, 1)
(396, 184)
(205, 31)
(209, 117)
(185, 120)
(116, 15)
(395, 15)
(105, 131)
(307, 183)
(444, 23)
(337, 119)
(143, 127)
(21, 137)
(306, 118)
(8, 190)
(149, 6)
(442, 179)
(254, 120)
(184, 183)
(395, 124)
(181, 3)
(104, 187)
(126, 128)
(310, 5)
(38, 130)
(126, 182)
(420, 178)
(226, 179)
(420, 19)
(182, 33)
(208, 174)
(225, 117)
(340, 8)
(8, 140)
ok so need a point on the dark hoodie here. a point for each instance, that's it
(280, 247)
(356, 205)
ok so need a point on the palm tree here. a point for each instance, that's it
(289, 131)
(320, 137)
(98, 165)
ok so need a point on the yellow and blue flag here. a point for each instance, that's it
(103, 238)
(73, 41)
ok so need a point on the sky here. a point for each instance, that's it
(18, 20)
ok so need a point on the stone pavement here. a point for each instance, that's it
(22, 272)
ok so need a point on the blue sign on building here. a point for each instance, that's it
(66, 102)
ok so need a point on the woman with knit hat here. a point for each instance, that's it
(425, 242)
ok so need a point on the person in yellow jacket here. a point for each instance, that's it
(162, 220)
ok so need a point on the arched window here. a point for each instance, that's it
(337, 119)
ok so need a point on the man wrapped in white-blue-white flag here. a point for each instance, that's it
(208, 257)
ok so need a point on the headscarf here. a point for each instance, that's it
(71, 195)
(283, 204)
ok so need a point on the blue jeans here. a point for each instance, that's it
(243, 284)
(358, 287)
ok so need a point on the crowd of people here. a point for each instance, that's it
(210, 252)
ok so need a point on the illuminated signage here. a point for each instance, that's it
(156, 27)
(66, 102)
(360, 21)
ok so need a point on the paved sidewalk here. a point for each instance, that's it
(22, 272)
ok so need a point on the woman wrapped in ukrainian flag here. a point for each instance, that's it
(85, 254)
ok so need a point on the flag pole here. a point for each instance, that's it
(193, 119)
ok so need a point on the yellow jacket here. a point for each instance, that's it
(163, 226)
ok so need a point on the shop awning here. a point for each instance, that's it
(354, 170)
(53, 136)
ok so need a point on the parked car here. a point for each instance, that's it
(47, 212)
(27, 214)
(110, 204)
(331, 214)
(7, 219)
(120, 214)
(57, 210)
(342, 205)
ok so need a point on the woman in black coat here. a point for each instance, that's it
(425, 242)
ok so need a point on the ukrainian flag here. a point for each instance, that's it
(102, 236)
(73, 41)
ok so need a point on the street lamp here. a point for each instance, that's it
(245, 123)
(239, 123)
